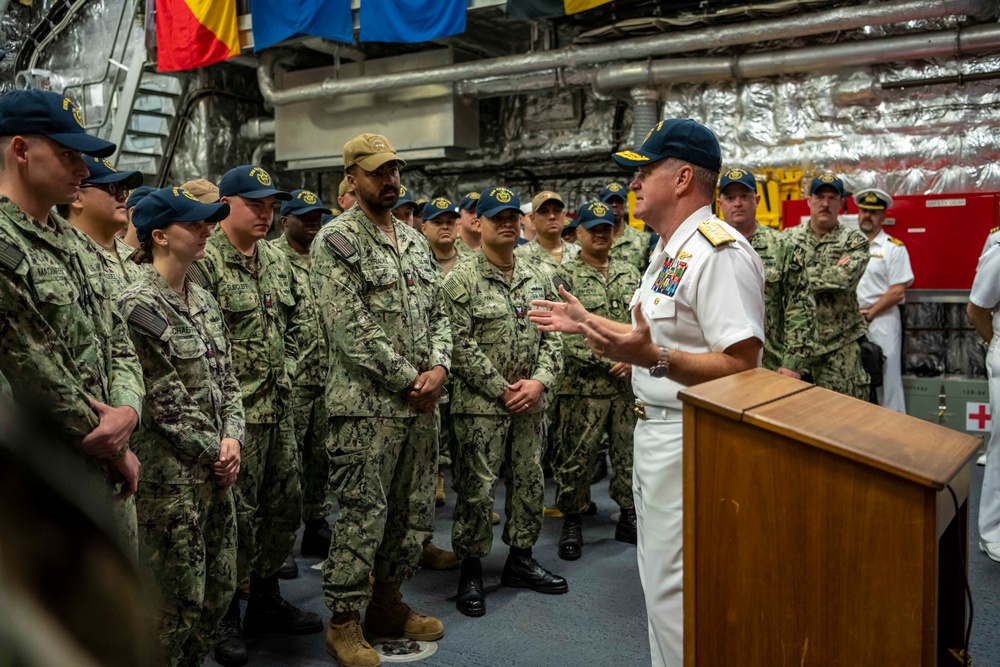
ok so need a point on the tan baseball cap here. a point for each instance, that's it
(344, 188)
(544, 196)
(369, 151)
(206, 191)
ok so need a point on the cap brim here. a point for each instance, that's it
(206, 212)
(611, 195)
(633, 159)
(373, 162)
(81, 141)
(499, 209)
(280, 195)
(590, 224)
(833, 187)
(130, 179)
(307, 209)
(404, 202)
(436, 212)
(544, 202)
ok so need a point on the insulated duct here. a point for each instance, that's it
(645, 113)
(975, 39)
(842, 18)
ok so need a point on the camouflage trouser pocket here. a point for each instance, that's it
(349, 440)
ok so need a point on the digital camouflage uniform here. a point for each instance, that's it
(496, 345)
(835, 360)
(386, 323)
(786, 287)
(537, 257)
(446, 447)
(631, 247)
(255, 296)
(186, 522)
(592, 403)
(120, 272)
(61, 338)
(308, 387)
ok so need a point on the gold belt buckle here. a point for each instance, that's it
(640, 410)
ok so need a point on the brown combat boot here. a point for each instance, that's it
(435, 558)
(439, 491)
(346, 642)
(389, 616)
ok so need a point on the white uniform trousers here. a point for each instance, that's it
(989, 499)
(886, 331)
(657, 477)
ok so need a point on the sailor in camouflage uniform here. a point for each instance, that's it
(836, 258)
(252, 283)
(502, 367)
(63, 344)
(390, 350)
(191, 429)
(630, 244)
(786, 285)
(595, 394)
(301, 218)
(548, 249)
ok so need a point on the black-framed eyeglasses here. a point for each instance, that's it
(114, 189)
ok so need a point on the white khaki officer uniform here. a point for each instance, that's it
(986, 294)
(702, 292)
(991, 240)
(889, 265)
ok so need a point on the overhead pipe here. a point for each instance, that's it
(573, 57)
(645, 112)
(974, 39)
(257, 129)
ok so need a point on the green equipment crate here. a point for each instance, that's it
(955, 401)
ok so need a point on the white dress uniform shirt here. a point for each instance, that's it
(986, 294)
(889, 265)
(698, 298)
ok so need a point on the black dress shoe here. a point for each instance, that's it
(290, 569)
(523, 571)
(470, 599)
(571, 540)
(626, 530)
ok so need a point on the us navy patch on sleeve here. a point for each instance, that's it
(10, 257)
(144, 319)
(341, 245)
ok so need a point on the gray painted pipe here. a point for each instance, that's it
(843, 18)
(975, 39)
(645, 113)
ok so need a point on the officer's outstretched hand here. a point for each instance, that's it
(634, 347)
(565, 317)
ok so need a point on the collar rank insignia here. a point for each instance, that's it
(683, 254)
(715, 233)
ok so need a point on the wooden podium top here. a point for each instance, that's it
(904, 446)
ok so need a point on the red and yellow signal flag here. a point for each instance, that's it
(195, 33)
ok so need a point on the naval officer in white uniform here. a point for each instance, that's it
(698, 315)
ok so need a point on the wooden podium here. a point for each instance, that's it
(819, 529)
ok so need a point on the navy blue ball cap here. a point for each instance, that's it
(252, 182)
(494, 200)
(831, 180)
(594, 213)
(138, 195)
(680, 138)
(303, 201)
(404, 198)
(164, 207)
(51, 115)
(101, 172)
(437, 206)
(613, 190)
(738, 175)
(468, 202)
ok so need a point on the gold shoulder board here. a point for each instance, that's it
(715, 234)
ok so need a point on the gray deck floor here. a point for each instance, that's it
(601, 621)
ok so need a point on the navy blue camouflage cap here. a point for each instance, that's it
(303, 201)
(102, 172)
(251, 182)
(613, 190)
(738, 175)
(494, 200)
(404, 198)
(437, 206)
(680, 138)
(138, 195)
(831, 180)
(51, 115)
(468, 202)
(593, 214)
(164, 207)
